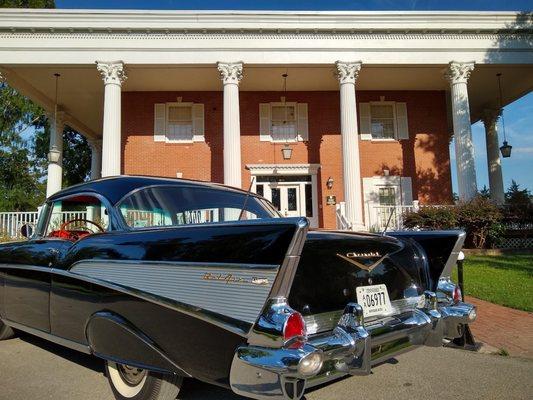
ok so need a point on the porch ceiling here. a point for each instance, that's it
(81, 88)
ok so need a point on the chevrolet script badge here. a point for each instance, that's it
(367, 260)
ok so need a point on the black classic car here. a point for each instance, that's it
(166, 279)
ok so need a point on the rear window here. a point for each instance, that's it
(184, 205)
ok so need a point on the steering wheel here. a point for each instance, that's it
(65, 233)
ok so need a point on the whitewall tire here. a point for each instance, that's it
(6, 332)
(131, 383)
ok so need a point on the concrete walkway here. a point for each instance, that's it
(503, 328)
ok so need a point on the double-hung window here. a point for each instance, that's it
(383, 120)
(283, 122)
(178, 122)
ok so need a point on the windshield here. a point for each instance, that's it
(183, 205)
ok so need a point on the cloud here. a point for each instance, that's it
(523, 150)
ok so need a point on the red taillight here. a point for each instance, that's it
(294, 326)
(457, 295)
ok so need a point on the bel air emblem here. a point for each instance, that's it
(365, 260)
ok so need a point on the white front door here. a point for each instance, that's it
(292, 196)
(288, 199)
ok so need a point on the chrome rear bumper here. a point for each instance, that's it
(350, 349)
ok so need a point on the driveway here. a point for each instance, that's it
(31, 368)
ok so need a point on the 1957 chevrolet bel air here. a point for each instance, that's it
(165, 279)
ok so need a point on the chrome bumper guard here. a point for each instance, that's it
(350, 349)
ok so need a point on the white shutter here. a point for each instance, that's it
(402, 128)
(407, 191)
(198, 122)
(160, 116)
(264, 122)
(303, 124)
(364, 119)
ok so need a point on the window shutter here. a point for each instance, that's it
(407, 191)
(402, 128)
(303, 124)
(264, 122)
(198, 122)
(364, 117)
(160, 117)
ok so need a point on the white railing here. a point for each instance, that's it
(377, 217)
(390, 217)
(11, 222)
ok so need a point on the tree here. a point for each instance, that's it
(485, 192)
(76, 155)
(27, 4)
(516, 196)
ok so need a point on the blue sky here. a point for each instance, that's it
(518, 116)
(518, 5)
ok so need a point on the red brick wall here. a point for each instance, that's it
(424, 157)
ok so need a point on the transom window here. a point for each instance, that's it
(382, 121)
(284, 123)
(179, 122)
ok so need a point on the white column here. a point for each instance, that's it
(347, 73)
(55, 155)
(490, 120)
(458, 74)
(96, 158)
(113, 75)
(231, 74)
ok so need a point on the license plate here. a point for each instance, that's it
(374, 300)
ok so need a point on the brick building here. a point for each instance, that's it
(328, 115)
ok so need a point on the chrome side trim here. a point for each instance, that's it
(237, 293)
(48, 336)
(235, 326)
(452, 259)
(283, 283)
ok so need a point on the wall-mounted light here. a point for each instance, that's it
(287, 152)
(386, 172)
(329, 183)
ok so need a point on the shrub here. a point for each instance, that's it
(431, 218)
(479, 218)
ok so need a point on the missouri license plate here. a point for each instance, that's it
(374, 300)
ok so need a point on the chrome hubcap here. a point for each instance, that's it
(131, 375)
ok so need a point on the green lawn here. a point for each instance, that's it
(505, 279)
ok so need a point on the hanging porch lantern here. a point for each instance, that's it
(506, 148)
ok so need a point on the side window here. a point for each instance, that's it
(77, 217)
(171, 206)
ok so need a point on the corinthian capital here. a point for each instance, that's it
(112, 72)
(347, 72)
(459, 72)
(230, 72)
(490, 117)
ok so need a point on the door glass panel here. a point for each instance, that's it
(276, 198)
(292, 199)
(387, 196)
(260, 190)
(308, 201)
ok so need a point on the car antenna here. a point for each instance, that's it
(388, 222)
(246, 198)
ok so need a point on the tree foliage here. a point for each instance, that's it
(27, 4)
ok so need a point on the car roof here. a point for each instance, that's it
(115, 188)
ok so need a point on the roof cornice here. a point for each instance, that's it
(248, 21)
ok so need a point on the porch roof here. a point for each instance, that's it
(177, 51)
